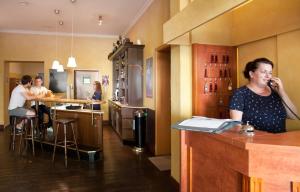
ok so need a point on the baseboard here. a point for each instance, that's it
(1, 127)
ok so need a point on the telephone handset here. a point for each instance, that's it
(271, 85)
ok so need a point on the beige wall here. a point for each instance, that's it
(149, 30)
(90, 52)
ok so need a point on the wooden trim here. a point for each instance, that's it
(1, 127)
(252, 184)
(295, 186)
(185, 163)
(163, 101)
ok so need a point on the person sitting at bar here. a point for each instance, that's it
(18, 98)
(264, 107)
(97, 95)
(41, 91)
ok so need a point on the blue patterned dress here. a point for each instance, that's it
(265, 113)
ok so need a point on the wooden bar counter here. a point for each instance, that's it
(233, 162)
(89, 133)
(88, 126)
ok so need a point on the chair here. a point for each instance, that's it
(66, 123)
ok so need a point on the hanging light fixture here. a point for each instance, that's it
(71, 59)
(55, 63)
(60, 68)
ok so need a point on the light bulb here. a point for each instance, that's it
(55, 64)
(71, 62)
(60, 68)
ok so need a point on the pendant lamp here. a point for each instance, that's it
(55, 63)
(60, 68)
(71, 59)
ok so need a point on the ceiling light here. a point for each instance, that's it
(100, 21)
(60, 22)
(60, 68)
(71, 59)
(71, 62)
(55, 64)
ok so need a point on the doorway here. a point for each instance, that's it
(84, 80)
(163, 101)
(13, 72)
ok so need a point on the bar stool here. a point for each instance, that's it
(66, 143)
(14, 133)
(24, 131)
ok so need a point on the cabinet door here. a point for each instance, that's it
(118, 121)
(135, 85)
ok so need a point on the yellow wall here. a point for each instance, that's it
(288, 48)
(149, 30)
(90, 52)
(250, 51)
(181, 98)
(216, 32)
(260, 19)
(194, 14)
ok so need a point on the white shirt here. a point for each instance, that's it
(17, 98)
(36, 91)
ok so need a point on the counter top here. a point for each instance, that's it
(63, 108)
(126, 106)
(288, 140)
(63, 100)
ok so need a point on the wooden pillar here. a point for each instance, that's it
(252, 184)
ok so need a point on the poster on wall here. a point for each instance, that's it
(149, 73)
(105, 82)
(58, 81)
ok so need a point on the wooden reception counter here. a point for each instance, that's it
(233, 162)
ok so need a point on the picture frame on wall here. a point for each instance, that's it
(149, 77)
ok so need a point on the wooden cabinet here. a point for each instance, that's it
(127, 63)
(121, 119)
(214, 79)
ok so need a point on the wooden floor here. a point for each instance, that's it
(120, 170)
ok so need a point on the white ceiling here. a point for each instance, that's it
(37, 16)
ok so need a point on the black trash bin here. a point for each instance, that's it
(139, 130)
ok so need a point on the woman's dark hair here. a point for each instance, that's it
(26, 79)
(98, 86)
(253, 65)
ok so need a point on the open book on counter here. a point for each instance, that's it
(204, 124)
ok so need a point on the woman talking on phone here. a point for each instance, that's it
(263, 102)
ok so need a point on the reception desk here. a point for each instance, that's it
(233, 162)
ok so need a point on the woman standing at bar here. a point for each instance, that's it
(97, 95)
